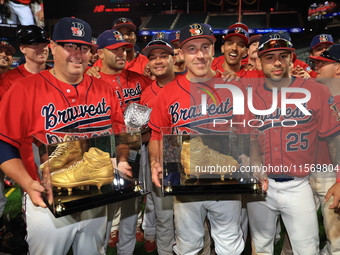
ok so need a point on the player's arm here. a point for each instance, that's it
(12, 166)
(334, 149)
(155, 161)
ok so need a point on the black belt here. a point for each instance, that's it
(281, 177)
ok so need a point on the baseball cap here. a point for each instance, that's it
(275, 41)
(332, 54)
(112, 39)
(174, 36)
(254, 38)
(160, 36)
(238, 29)
(32, 34)
(6, 45)
(321, 38)
(123, 22)
(158, 44)
(70, 29)
(194, 31)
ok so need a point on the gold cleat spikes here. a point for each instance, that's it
(94, 169)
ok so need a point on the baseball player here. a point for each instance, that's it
(172, 109)
(135, 62)
(319, 44)
(161, 226)
(327, 69)
(290, 158)
(234, 49)
(65, 88)
(6, 56)
(33, 43)
(179, 65)
(128, 86)
(252, 51)
(20, 9)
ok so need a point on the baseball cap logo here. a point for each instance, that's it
(177, 35)
(124, 20)
(118, 36)
(323, 38)
(275, 36)
(196, 29)
(160, 35)
(78, 29)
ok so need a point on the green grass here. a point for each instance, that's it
(13, 207)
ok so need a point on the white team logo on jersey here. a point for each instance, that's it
(78, 29)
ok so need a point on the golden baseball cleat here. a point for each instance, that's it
(64, 154)
(94, 169)
(198, 159)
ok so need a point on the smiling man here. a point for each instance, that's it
(33, 43)
(112, 50)
(173, 101)
(64, 88)
(292, 147)
(6, 56)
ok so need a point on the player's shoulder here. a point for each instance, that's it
(11, 73)
(131, 74)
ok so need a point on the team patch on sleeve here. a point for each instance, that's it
(336, 112)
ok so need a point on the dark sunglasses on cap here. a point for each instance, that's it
(278, 43)
(158, 42)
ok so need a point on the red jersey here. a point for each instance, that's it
(51, 107)
(149, 95)
(178, 105)
(291, 140)
(128, 86)
(11, 76)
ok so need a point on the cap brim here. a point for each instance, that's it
(245, 39)
(174, 40)
(118, 45)
(211, 38)
(78, 41)
(330, 43)
(146, 51)
(319, 58)
(9, 47)
(260, 53)
(132, 26)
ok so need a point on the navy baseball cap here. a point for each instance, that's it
(123, 22)
(238, 29)
(158, 44)
(322, 38)
(332, 54)
(112, 39)
(160, 36)
(6, 45)
(275, 41)
(174, 36)
(74, 30)
(194, 31)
